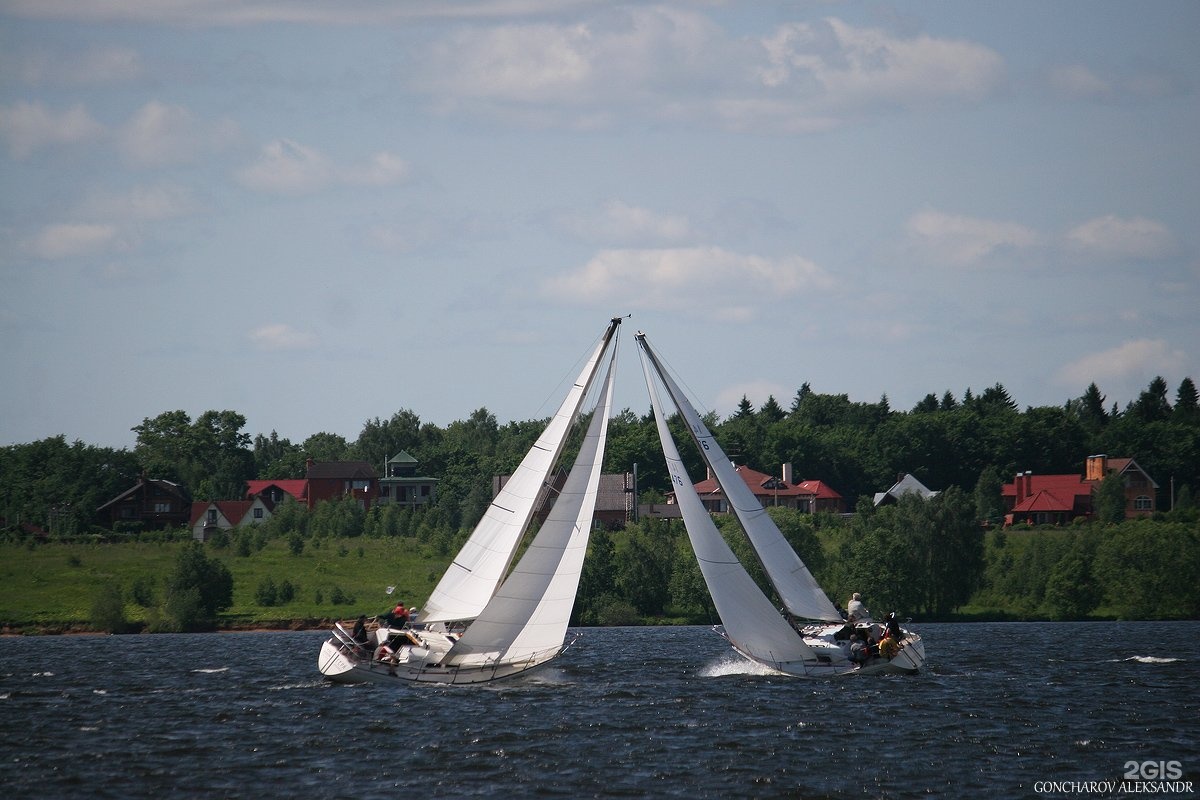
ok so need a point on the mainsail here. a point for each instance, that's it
(797, 588)
(527, 617)
(480, 565)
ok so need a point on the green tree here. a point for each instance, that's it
(108, 609)
(1110, 498)
(197, 589)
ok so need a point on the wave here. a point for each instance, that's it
(1149, 659)
(211, 671)
(735, 665)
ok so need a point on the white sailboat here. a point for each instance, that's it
(807, 640)
(483, 622)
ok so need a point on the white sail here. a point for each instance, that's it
(752, 624)
(527, 617)
(472, 578)
(797, 588)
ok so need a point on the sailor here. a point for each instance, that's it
(855, 609)
(360, 631)
(888, 647)
(893, 627)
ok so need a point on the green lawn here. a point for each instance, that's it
(54, 584)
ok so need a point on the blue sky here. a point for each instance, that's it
(316, 213)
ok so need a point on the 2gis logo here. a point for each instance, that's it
(1153, 770)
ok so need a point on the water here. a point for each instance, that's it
(627, 712)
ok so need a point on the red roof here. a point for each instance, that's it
(232, 510)
(1048, 493)
(297, 488)
(764, 485)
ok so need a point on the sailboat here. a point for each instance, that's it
(484, 622)
(809, 638)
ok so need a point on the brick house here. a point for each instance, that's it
(808, 496)
(333, 480)
(1059, 499)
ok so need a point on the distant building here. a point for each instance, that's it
(614, 498)
(154, 503)
(808, 496)
(905, 484)
(1059, 499)
(334, 480)
(225, 515)
(402, 485)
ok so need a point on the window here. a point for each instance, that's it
(258, 513)
(1143, 503)
(212, 516)
(424, 491)
(402, 494)
(162, 508)
(360, 486)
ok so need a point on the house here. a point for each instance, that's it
(1140, 489)
(905, 484)
(332, 480)
(225, 515)
(614, 498)
(401, 484)
(152, 503)
(1059, 499)
(808, 496)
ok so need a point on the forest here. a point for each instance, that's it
(932, 560)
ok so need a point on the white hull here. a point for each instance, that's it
(340, 661)
(833, 656)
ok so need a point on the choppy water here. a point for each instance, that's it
(629, 712)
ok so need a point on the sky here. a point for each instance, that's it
(318, 214)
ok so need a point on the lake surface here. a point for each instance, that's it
(625, 712)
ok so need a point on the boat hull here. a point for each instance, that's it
(833, 656)
(344, 664)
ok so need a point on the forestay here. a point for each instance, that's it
(472, 578)
(801, 594)
(751, 622)
(528, 616)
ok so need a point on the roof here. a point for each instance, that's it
(328, 470)
(232, 510)
(402, 458)
(168, 486)
(296, 487)
(613, 492)
(1124, 465)
(907, 484)
(764, 485)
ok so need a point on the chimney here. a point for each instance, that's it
(787, 473)
(1028, 483)
(1018, 486)
(900, 476)
(1096, 467)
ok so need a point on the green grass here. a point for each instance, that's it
(55, 584)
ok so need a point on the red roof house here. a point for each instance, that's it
(807, 496)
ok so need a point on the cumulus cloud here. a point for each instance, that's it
(964, 241)
(280, 336)
(159, 134)
(708, 277)
(620, 223)
(287, 167)
(1076, 80)
(65, 240)
(679, 65)
(27, 127)
(1111, 237)
(1130, 360)
(867, 65)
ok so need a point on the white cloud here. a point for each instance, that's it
(1112, 237)
(708, 277)
(853, 66)
(621, 223)
(963, 241)
(26, 127)
(1132, 359)
(287, 167)
(281, 336)
(159, 134)
(66, 240)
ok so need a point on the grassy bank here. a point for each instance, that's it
(52, 586)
